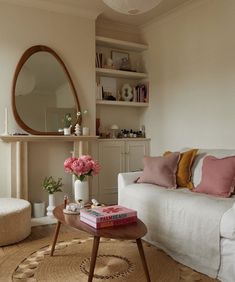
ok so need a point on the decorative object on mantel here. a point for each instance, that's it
(51, 186)
(78, 130)
(81, 168)
(67, 124)
(79, 115)
(132, 7)
(85, 131)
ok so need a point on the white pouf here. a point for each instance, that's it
(15, 220)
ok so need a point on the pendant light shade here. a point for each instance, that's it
(132, 7)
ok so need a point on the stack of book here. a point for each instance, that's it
(102, 217)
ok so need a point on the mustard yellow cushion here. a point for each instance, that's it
(183, 173)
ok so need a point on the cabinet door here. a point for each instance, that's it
(111, 157)
(134, 152)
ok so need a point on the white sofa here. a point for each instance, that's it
(197, 230)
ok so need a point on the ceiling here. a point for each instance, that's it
(96, 8)
(163, 8)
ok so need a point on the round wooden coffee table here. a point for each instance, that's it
(133, 231)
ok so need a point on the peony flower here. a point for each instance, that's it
(68, 164)
(82, 167)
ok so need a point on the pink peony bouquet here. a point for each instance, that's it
(81, 167)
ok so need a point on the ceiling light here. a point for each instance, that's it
(132, 7)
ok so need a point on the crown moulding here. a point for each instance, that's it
(64, 8)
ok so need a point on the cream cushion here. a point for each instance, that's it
(15, 220)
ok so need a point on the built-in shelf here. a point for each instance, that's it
(120, 44)
(120, 73)
(121, 103)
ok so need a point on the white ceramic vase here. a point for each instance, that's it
(67, 131)
(51, 205)
(81, 191)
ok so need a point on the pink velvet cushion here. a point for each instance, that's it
(218, 176)
(160, 170)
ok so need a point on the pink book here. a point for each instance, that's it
(117, 222)
(110, 213)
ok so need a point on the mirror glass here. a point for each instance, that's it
(43, 92)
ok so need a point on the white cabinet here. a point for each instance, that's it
(117, 156)
(134, 153)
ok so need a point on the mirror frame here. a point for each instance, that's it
(26, 55)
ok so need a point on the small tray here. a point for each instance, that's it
(71, 212)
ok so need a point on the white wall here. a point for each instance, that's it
(191, 63)
(73, 38)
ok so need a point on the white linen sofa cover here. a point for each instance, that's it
(142, 197)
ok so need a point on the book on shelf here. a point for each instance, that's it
(99, 60)
(141, 93)
(111, 223)
(109, 213)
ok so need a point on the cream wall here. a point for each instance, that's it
(191, 64)
(73, 38)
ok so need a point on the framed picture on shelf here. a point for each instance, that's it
(120, 60)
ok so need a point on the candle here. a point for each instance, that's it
(85, 131)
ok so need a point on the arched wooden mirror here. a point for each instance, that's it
(43, 92)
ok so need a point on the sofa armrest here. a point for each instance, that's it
(127, 178)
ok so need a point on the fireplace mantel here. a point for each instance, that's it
(41, 138)
(19, 156)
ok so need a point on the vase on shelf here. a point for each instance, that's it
(67, 131)
(51, 205)
(81, 191)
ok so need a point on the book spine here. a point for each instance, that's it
(107, 218)
(117, 216)
(99, 225)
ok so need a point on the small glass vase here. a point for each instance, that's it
(81, 191)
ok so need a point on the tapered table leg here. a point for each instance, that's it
(55, 237)
(93, 257)
(142, 256)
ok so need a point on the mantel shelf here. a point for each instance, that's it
(120, 44)
(121, 103)
(42, 138)
(120, 73)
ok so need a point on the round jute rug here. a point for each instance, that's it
(117, 261)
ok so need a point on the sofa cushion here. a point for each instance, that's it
(218, 176)
(160, 170)
(201, 154)
(183, 173)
